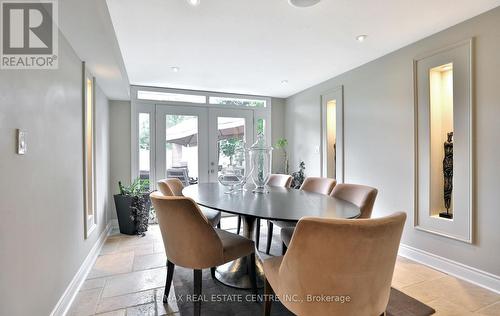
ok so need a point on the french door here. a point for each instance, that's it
(193, 143)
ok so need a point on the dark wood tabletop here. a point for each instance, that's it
(279, 204)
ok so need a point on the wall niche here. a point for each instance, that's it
(443, 136)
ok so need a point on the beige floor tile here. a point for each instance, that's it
(110, 246)
(85, 303)
(138, 249)
(97, 283)
(116, 263)
(142, 310)
(151, 261)
(135, 282)
(446, 308)
(158, 247)
(490, 310)
(121, 312)
(123, 301)
(168, 308)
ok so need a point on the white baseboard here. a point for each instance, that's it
(114, 223)
(456, 269)
(74, 286)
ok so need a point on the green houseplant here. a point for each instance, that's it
(133, 207)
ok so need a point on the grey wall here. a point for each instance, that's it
(119, 117)
(379, 146)
(42, 243)
(277, 131)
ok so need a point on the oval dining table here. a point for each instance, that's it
(278, 203)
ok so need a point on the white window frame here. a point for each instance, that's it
(148, 106)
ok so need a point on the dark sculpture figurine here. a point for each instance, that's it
(448, 175)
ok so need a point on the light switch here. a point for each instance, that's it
(21, 142)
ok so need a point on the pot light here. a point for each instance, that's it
(303, 3)
(361, 38)
(175, 69)
(194, 3)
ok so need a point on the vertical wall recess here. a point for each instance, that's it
(332, 134)
(443, 142)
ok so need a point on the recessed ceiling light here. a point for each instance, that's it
(303, 3)
(361, 38)
(175, 69)
(194, 3)
(283, 82)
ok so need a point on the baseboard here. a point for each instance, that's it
(74, 286)
(478, 277)
(114, 223)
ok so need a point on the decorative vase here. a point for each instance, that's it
(260, 161)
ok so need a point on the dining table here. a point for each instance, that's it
(277, 204)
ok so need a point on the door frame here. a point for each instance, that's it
(337, 94)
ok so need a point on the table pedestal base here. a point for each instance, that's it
(236, 273)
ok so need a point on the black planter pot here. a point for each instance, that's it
(123, 205)
(123, 213)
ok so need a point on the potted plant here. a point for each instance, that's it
(281, 144)
(133, 207)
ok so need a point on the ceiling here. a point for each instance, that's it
(251, 46)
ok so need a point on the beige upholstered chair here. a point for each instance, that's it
(275, 180)
(360, 195)
(174, 186)
(310, 184)
(318, 185)
(191, 241)
(359, 263)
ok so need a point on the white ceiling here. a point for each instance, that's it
(250, 46)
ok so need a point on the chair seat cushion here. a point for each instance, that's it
(212, 216)
(284, 223)
(234, 246)
(286, 235)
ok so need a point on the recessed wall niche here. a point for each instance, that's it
(443, 160)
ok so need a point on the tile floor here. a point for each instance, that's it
(129, 275)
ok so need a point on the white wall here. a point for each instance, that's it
(379, 144)
(42, 241)
(119, 117)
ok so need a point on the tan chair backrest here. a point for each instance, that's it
(361, 195)
(171, 187)
(190, 241)
(353, 258)
(318, 185)
(279, 180)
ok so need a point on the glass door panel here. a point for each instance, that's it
(230, 131)
(181, 150)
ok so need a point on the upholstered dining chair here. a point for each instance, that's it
(360, 195)
(310, 184)
(174, 186)
(357, 267)
(275, 180)
(192, 242)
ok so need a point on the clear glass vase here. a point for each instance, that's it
(260, 162)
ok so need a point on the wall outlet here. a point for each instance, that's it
(316, 150)
(21, 142)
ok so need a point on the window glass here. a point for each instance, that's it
(144, 145)
(238, 101)
(167, 96)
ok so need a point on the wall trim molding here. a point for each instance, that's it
(475, 276)
(74, 286)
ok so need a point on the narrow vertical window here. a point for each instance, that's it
(144, 146)
(89, 152)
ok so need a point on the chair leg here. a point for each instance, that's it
(268, 293)
(257, 233)
(283, 248)
(197, 292)
(239, 225)
(252, 272)
(212, 272)
(269, 236)
(218, 225)
(170, 274)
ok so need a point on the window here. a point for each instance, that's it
(169, 96)
(90, 218)
(144, 146)
(257, 103)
